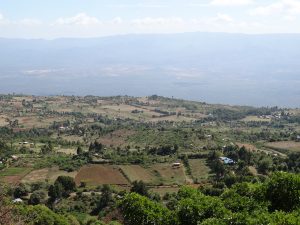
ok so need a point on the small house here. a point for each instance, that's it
(14, 157)
(226, 160)
(177, 164)
(17, 200)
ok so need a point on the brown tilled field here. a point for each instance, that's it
(116, 138)
(247, 146)
(13, 175)
(135, 172)
(36, 175)
(100, 174)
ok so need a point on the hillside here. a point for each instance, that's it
(88, 156)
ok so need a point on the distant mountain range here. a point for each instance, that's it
(213, 67)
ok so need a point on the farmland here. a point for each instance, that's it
(284, 145)
(154, 146)
(99, 174)
(200, 170)
(136, 172)
(46, 174)
(168, 175)
(13, 175)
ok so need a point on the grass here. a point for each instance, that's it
(256, 119)
(200, 171)
(49, 174)
(163, 190)
(14, 171)
(167, 175)
(284, 145)
(136, 173)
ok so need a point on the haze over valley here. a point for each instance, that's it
(258, 70)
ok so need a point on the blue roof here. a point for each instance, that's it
(226, 160)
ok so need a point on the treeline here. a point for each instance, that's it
(275, 201)
(238, 113)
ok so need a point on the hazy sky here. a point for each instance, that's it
(90, 18)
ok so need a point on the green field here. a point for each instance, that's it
(14, 171)
(200, 170)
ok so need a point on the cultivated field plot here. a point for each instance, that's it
(100, 174)
(68, 151)
(49, 174)
(69, 137)
(285, 145)
(173, 118)
(13, 175)
(200, 171)
(247, 146)
(3, 121)
(136, 173)
(255, 118)
(34, 121)
(116, 138)
(168, 175)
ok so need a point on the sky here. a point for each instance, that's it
(94, 18)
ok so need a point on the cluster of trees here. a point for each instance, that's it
(57, 125)
(276, 201)
(164, 113)
(96, 147)
(62, 187)
(163, 150)
(47, 148)
(227, 114)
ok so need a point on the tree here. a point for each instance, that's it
(37, 197)
(218, 167)
(96, 147)
(193, 211)
(283, 191)
(46, 149)
(79, 150)
(41, 215)
(55, 192)
(21, 190)
(62, 187)
(140, 188)
(264, 165)
(194, 207)
(68, 184)
(106, 198)
(140, 210)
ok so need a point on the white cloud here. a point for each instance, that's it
(223, 18)
(29, 22)
(3, 20)
(149, 21)
(79, 19)
(288, 8)
(139, 5)
(22, 22)
(230, 2)
(219, 19)
(117, 20)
